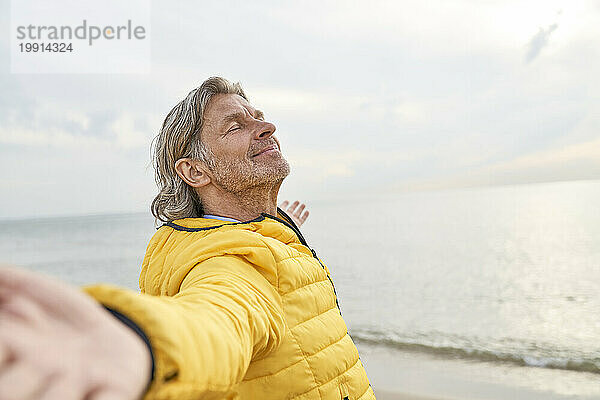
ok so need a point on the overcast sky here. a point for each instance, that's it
(368, 98)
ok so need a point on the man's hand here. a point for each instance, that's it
(296, 215)
(57, 343)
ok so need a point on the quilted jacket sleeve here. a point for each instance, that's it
(204, 337)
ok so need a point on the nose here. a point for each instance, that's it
(265, 130)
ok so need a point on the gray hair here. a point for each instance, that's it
(180, 137)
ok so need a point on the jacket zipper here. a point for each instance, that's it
(290, 224)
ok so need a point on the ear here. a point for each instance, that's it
(193, 172)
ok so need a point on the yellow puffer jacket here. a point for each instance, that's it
(240, 311)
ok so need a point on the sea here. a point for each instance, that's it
(503, 279)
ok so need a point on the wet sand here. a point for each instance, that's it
(387, 395)
(396, 375)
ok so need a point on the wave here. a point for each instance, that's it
(467, 350)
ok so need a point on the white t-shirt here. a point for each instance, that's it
(219, 217)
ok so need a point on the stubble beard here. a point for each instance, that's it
(251, 173)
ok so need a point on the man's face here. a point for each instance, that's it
(238, 136)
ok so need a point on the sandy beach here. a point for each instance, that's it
(385, 395)
(396, 375)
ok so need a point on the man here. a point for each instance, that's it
(234, 302)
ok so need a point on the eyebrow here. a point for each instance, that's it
(240, 115)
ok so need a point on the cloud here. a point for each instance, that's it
(133, 131)
(575, 161)
(538, 42)
(588, 151)
(57, 125)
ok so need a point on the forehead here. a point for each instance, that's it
(222, 105)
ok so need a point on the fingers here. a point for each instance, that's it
(21, 281)
(23, 309)
(19, 339)
(304, 217)
(293, 207)
(61, 390)
(298, 212)
(29, 359)
(21, 381)
(298, 216)
(295, 212)
(6, 356)
(52, 295)
(104, 395)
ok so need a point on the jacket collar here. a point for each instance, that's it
(202, 224)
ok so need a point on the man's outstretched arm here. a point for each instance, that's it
(57, 343)
(203, 338)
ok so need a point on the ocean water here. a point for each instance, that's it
(503, 276)
(498, 276)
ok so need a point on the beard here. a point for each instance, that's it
(238, 176)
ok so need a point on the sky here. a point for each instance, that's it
(369, 98)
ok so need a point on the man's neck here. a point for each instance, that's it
(242, 206)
